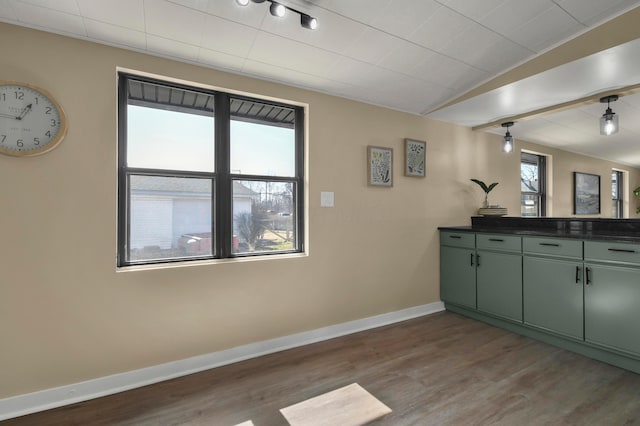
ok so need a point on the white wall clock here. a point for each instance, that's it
(32, 122)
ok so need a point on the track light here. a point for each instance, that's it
(507, 142)
(279, 10)
(308, 22)
(609, 120)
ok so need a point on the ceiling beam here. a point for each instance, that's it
(623, 91)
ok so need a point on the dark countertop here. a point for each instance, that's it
(621, 230)
(581, 235)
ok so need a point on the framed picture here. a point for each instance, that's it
(415, 158)
(380, 166)
(586, 189)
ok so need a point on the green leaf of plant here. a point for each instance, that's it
(485, 188)
(482, 185)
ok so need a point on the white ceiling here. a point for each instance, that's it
(409, 55)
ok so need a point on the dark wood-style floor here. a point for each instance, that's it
(442, 369)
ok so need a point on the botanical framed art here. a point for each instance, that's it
(586, 190)
(379, 166)
(415, 158)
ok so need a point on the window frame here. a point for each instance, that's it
(221, 177)
(541, 162)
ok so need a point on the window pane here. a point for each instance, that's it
(529, 177)
(530, 205)
(615, 211)
(262, 139)
(616, 194)
(263, 216)
(164, 139)
(170, 217)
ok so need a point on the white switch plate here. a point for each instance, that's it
(326, 199)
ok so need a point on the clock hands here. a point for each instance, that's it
(23, 113)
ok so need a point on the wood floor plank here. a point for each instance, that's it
(443, 369)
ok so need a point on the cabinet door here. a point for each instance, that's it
(499, 284)
(612, 307)
(553, 295)
(458, 276)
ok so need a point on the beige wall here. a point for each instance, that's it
(67, 315)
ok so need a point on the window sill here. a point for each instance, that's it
(207, 262)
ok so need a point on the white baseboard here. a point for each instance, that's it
(21, 405)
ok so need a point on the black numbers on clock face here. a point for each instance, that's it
(20, 142)
(29, 120)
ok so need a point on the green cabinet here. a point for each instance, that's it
(612, 295)
(553, 295)
(482, 272)
(457, 269)
(499, 275)
(552, 285)
(583, 295)
(612, 307)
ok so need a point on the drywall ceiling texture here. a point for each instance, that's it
(67, 315)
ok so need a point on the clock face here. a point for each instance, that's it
(31, 121)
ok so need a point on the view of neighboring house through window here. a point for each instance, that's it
(205, 174)
(617, 192)
(532, 184)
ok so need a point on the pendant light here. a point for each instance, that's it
(609, 120)
(507, 142)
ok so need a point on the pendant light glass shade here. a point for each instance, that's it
(507, 141)
(507, 144)
(609, 120)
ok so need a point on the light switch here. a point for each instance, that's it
(326, 199)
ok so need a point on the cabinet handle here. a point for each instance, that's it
(577, 274)
(455, 236)
(500, 240)
(588, 270)
(622, 250)
(550, 244)
(471, 259)
(477, 260)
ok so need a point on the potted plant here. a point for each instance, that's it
(487, 189)
(637, 192)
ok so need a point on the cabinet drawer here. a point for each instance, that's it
(553, 246)
(499, 242)
(612, 252)
(458, 239)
